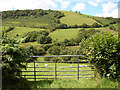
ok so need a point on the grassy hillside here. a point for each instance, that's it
(21, 31)
(72, 18)
(24, 23)
(62, 34)
(104, 21)
(32, 18)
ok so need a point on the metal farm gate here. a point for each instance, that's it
(59, 69)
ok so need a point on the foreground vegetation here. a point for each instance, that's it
(82, 83)
(68, 83)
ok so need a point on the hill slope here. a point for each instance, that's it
(23, 22)
(32, 18)
(72, 18)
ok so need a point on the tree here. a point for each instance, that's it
(95, 25)
(54, 50)
(48, 40)
(63, 26)
(84, 25)
(41, 39)
(12, 58)
(103, 50)
(112, 28)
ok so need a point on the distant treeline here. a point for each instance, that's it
(35, 13)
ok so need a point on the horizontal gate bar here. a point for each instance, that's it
(53, 75)
(38, 71)
(59, 71)
(59, 78)
(60, 56)
(61, 67)
(40, 78)
(59, 75)
(60, 61)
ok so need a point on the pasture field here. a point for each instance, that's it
(102, 20)
(107, 30)
(61, 34)
(31, 21)
(72, 18)
(59, 65)
(21, 31)
(35, 44)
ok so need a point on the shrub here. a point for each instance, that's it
(84, 25)
(44, 39)
(41, 39)
(63, 26)
(104, 52)
(48, 40)
(95, 25)
(112, 28)
(46, 47)
(54, 50)
(12, 58)
(32, 36)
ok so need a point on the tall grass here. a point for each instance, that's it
(82, 83)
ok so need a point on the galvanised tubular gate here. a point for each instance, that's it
(58, 67)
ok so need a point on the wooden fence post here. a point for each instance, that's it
(34, 72)
(78, 67)
(55, 69)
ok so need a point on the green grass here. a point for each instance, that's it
(82, 83)
(103, 21)
(35, 44)
(21, 31)
(107, 30)
(61, 34)
(72, 18)
(59, 69)
(4, 28)
(42, 21)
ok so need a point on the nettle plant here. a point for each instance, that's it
(103, 50)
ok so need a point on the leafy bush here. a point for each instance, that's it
(62, 26)
(69, 42)
(32, 36)
(54, 50)
(48, 40)
(104, 52)
(12, 58)
(84, 34)
(96, 25)
(41, 39)
(84, 25)
(46, 47)
(44, 40)
(112, 28)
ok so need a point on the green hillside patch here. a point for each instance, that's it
(104, 21)
(72, 18)
(32, 18)
(28, 44)
(61, 34)
(107, 30)
(19, 32)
